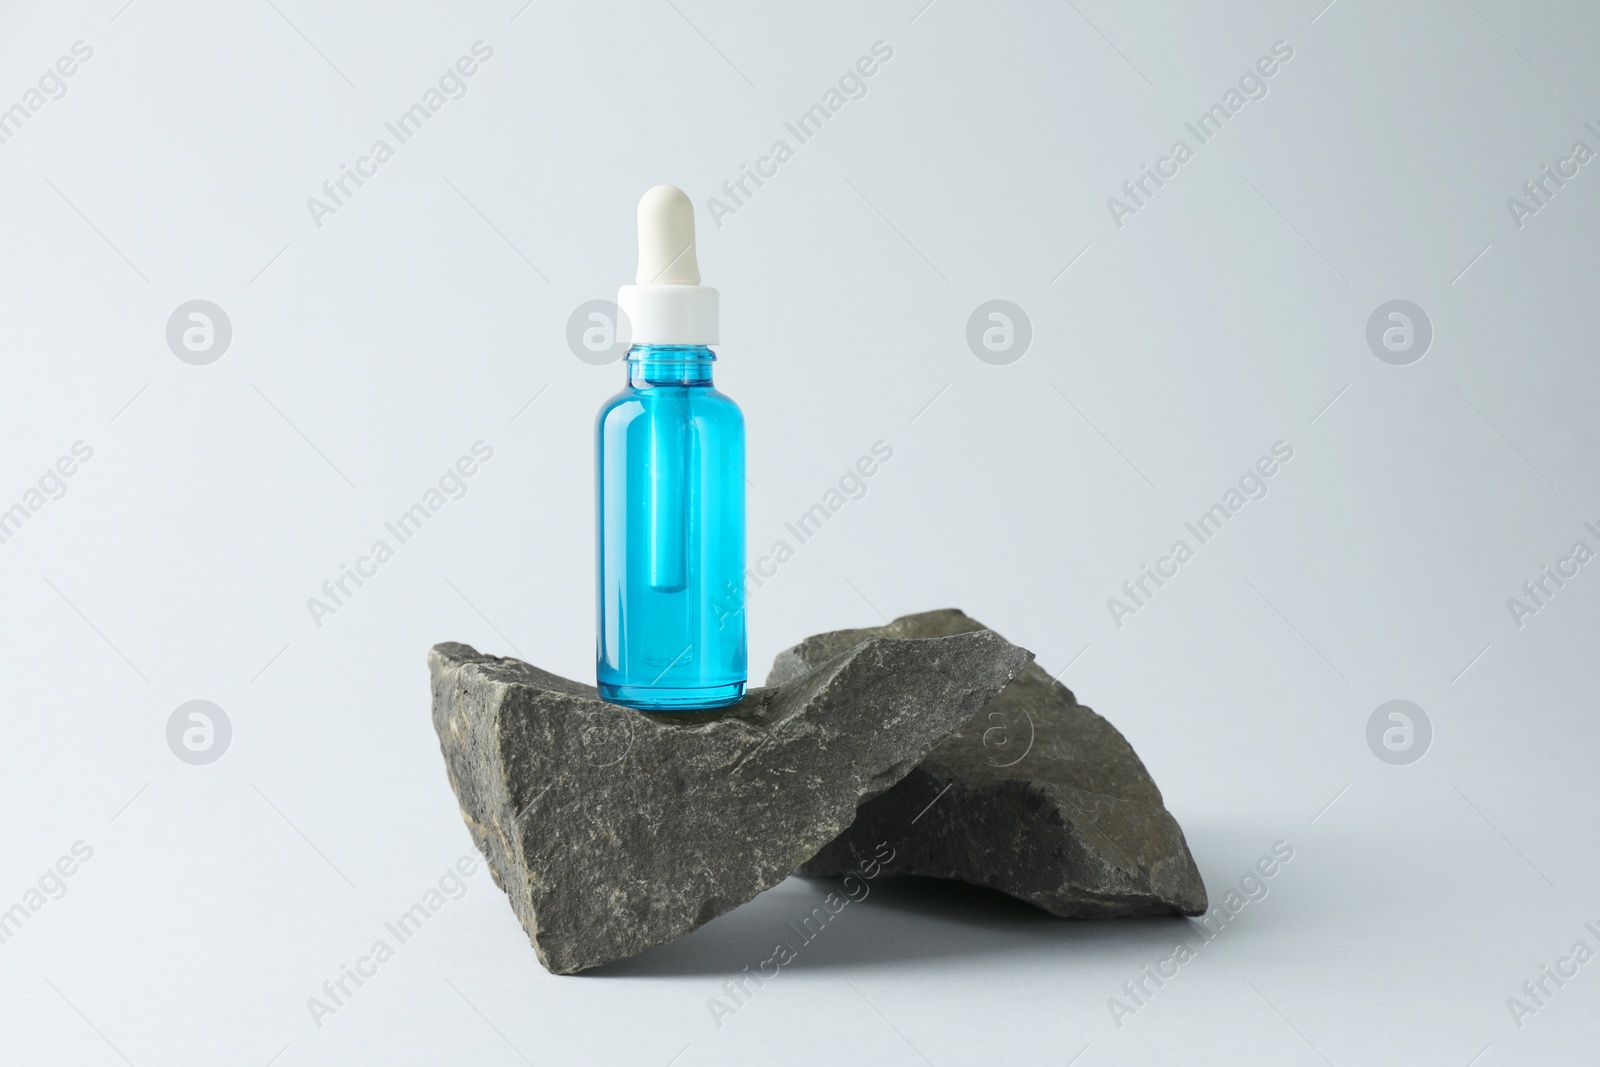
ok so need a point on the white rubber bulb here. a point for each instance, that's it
(666, 238)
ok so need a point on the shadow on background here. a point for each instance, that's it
(903, 919)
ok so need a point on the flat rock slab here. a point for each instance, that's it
(1035, 795)
(612, 830)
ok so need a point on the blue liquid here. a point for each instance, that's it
(669, 491)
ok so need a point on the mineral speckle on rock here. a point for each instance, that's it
(1035, 795)
(612, 830)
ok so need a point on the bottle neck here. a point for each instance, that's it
(653, 365)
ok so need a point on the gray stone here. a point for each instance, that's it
(612, 830)
(1035, 795)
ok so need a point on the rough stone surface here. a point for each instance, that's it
(1037, 796)
(612, 830)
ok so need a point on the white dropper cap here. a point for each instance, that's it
(668, 305)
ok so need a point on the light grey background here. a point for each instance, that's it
(1167, 355)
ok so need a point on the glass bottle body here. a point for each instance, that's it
(670, 544)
